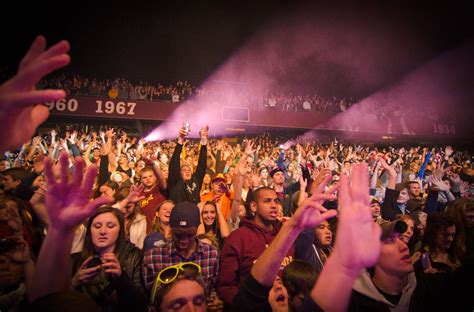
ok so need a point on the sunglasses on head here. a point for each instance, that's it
(168, 275)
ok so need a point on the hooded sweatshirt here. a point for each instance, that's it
(365, 286)
(241, 249)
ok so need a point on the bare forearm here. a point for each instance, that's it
(53, 269)
(336, 297)
(223, 226)
(161, 180)
(267, 265)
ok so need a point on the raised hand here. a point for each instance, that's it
(242, 166)
(134, 194)
(19, 113)
(68, 202)
(249, 147)
(311, 212)
(438, 183)
(448, 151)
(358, 238)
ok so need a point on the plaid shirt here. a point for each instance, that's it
(162, 257)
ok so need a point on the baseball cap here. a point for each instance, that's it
(218, 177)
(397, 226)
(275, 170)
(185, 215)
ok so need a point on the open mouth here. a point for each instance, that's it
(280, 298)
(406, 257)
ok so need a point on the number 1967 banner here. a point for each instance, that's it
(112, 108)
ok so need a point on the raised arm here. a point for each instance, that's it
(309, 214)
(68, 204)
(202, 161)
(357, 243)
(392, 181)
(19, 113)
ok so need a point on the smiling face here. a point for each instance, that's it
(375, 207)
(105, 229)
(164, 212)
(209, 214)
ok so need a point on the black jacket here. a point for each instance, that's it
(125, 293)
(179, 190)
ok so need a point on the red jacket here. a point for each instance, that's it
(241, 249)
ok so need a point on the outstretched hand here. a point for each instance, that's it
(68, 202)
(358, 237)
(19, 113)
(311, 212)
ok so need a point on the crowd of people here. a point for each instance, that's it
(102, 220)
(181, 91)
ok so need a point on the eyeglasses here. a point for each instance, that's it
(168, 275)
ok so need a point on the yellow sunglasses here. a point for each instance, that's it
(168, 275)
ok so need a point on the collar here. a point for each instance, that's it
(174, 252)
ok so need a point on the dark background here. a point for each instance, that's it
(166, 41)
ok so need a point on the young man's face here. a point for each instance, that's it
(186, 173)
(323, 235)
(403, 196)
(4, 165)
(414, 189)
(9, 183)
(148, 178)
(185, 295)
(266, 206)
(394, 257)
(184, 238)
(278, 178)
(445, 238)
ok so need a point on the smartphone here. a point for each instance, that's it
(425, 260)
(186, 127)
(96, 260)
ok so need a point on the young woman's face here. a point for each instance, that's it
(107, 190)
(208, 214)
(165, 212)
(207, 179)
(127, 211)
(105, 229)
(242, 211)
(264, 173)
